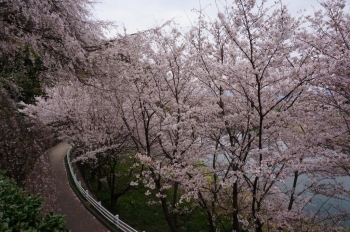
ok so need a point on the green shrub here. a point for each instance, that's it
(20, 211)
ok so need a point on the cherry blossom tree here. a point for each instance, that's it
(40, 42)
(258, 76)
(329, 36)
(159, 111)
(60, 32)
(89, 119)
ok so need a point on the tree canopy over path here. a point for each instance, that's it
(77, 217)
(245, 117)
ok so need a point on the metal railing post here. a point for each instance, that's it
(117, 220)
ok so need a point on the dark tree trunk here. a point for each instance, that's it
(235, 225)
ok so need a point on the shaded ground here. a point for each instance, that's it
(78, 218)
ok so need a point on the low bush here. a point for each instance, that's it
(20, 211)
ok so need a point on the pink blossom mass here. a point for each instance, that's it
(229, 115)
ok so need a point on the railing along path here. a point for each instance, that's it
(114, 219)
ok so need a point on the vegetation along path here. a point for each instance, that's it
(78, 218)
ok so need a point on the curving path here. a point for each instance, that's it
(78, 218)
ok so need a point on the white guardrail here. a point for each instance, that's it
(97, 205)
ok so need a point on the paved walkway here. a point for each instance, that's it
(78, 218)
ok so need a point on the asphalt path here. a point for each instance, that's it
(78, 218)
